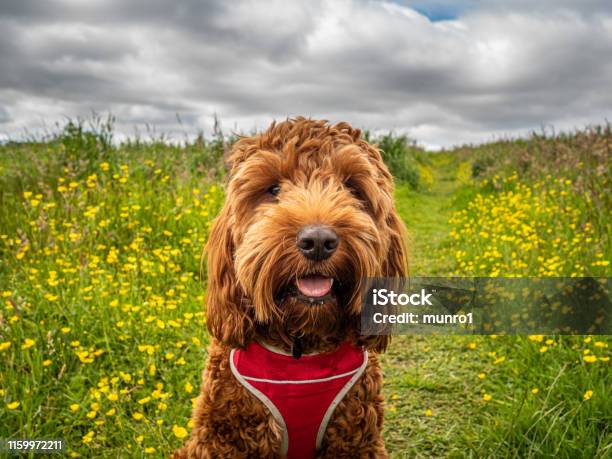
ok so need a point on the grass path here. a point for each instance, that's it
(428, 379)
(426, 214)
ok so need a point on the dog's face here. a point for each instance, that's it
(309, 213)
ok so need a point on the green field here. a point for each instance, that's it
(102, 325)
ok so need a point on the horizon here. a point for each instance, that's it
(151, 134)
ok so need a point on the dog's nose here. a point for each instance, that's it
(317, 242)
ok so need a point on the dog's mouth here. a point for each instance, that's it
(315, 287)
(311, 288)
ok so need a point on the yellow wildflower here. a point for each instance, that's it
(88, 436)
(179, 432)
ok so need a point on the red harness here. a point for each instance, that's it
(301, 394)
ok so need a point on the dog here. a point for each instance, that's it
(309, 214)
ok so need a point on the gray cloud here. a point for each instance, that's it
(4, 115)
(498, 68)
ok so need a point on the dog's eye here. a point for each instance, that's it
(354, 190)
(274, 190)
(358, 194)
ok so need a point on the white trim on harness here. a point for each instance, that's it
(330, 410)
(266, 401)
(300, 381)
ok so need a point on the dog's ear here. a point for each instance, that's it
(395, 264)
(228, 317)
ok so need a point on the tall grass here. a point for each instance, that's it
(540, 207)
(101, 325)
(406, 161)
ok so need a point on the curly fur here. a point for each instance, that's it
(328, 175)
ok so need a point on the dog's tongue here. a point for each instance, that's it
(314, 286)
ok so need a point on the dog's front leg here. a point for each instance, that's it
(229, 422)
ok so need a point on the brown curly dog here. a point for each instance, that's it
(309, 214)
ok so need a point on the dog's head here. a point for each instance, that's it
(309, 213)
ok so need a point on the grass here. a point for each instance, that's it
(101, 329)
(102, 336)
(495, 396)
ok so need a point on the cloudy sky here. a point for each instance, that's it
(444, 72)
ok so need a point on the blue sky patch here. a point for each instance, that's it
(437, 10)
